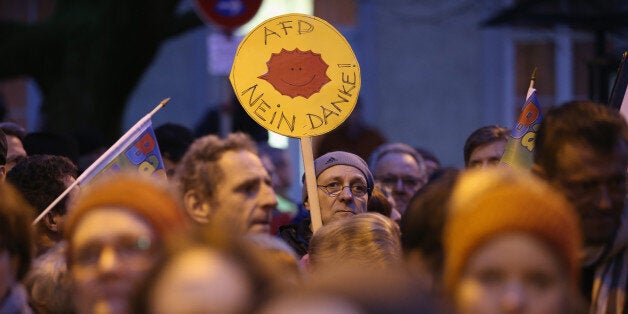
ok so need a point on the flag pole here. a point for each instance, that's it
(532, 81)
(121, 141)
(100, 159)
(618, 93)
(516, 153)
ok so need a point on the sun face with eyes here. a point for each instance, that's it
(296, 73)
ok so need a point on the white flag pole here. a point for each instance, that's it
(531, 87)
(102, 158)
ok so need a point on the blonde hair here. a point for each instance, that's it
(367, 239)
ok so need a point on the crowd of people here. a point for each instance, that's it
(400, 233)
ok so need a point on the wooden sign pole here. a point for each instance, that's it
(310, 182)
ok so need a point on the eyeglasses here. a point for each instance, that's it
(406, 181)
(333, 189)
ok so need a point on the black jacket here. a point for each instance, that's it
(297, 236)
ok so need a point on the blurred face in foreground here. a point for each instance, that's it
(245, 197)
(112, 249)
(595, 183)
(7, 271)
(512, 273)
(200, 280)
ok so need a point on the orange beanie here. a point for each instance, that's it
(152, 200)
(487, 203)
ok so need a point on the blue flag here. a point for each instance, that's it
(519, 150)
(136, 150)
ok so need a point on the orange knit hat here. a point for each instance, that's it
(150, 199)
(487, 203)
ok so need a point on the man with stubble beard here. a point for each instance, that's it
(224, 182)
(582, 150)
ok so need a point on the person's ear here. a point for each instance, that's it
(52, 222)
(196, 207)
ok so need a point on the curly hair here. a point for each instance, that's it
(199, 166)
(41, 179)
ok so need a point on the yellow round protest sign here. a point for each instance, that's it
(296, 75)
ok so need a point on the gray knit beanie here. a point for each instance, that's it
(331, 159)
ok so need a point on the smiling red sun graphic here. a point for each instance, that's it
(296, 73)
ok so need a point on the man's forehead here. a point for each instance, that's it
(341, 171)
(230, 155)
(577, 159)
(396, 156)
(241, 163)
(396, 162)
(121, 221)
(494, 145)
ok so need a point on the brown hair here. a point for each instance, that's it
(482, 136)
(585, 122)
(378, 203)
(199, 166)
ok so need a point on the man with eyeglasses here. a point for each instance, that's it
(582, 150)
(344, 185)
(399, 171)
